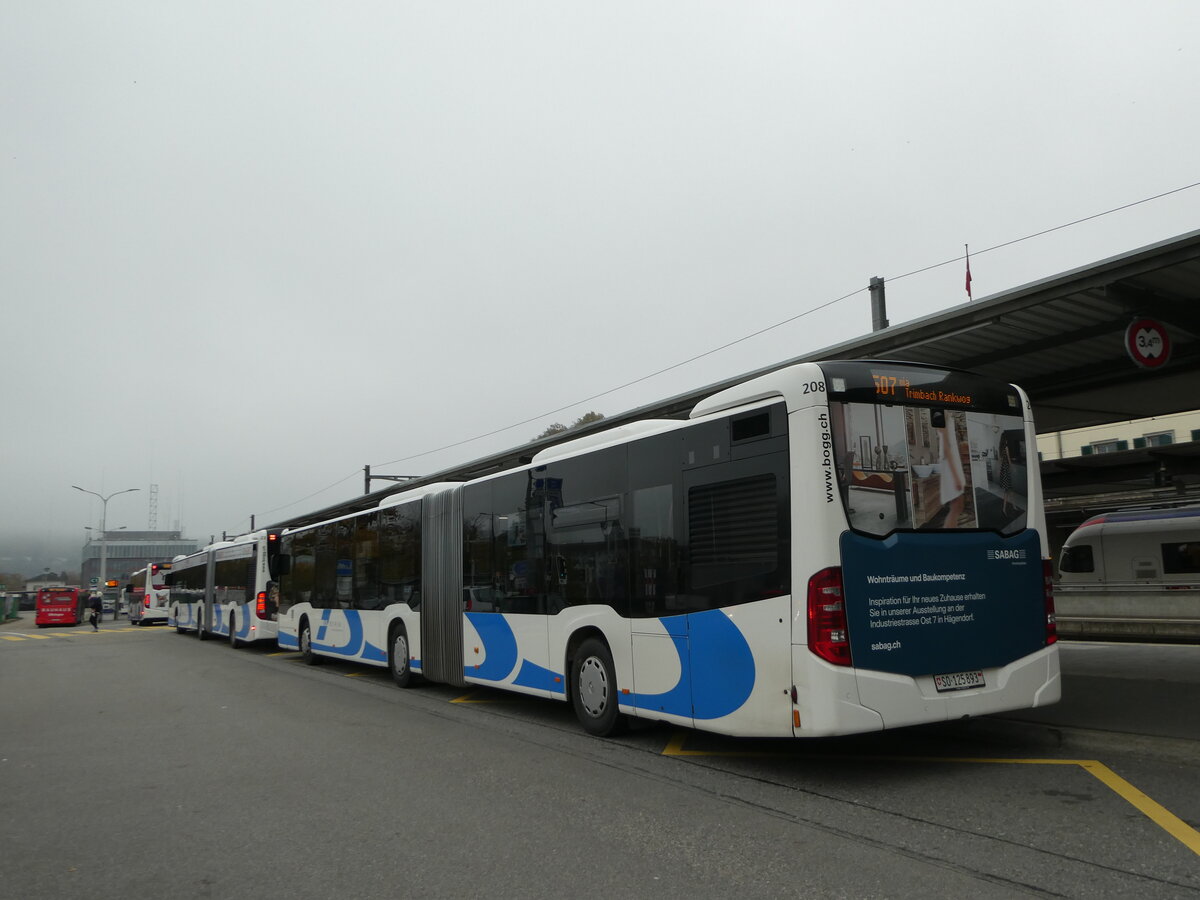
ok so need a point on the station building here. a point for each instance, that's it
(1138, 434)
(128, 551)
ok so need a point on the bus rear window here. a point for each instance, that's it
(919, 468)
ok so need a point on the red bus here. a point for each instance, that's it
(60, 606)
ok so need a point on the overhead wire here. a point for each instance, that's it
(745, 338)
(780, 324)
(1046, 231)
(313, 494)
(622, 387)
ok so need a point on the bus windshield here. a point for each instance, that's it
(920, 456)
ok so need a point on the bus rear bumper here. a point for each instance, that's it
(833, 700)
(901, 700)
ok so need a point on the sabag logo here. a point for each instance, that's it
(1006, 554)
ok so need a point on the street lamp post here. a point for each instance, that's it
(104, 536)
(103, 578)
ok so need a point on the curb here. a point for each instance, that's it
(1078, 742)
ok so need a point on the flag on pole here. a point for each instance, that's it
(965, 247)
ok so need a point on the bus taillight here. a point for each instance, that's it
(260, 607)
(146, 601)
(1051, 618)
(827, 633)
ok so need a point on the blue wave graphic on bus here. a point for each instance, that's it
(244, 631)
(500, 644)
(501, 657)
(716, 665)
(716, 669)
(355, 646)
(534, 676)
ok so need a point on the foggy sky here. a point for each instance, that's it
(247, 248)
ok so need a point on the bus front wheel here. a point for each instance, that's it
(594, 689)
(398, 661)
(306, 650)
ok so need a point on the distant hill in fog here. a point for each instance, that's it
(31, 556)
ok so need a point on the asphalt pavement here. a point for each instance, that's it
(1112, 692)
(1123, 694)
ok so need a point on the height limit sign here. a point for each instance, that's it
(1147, 343)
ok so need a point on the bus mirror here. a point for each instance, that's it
(129, 588)
(280, 565)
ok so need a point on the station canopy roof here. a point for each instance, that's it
(1062, 339)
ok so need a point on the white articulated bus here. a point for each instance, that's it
(828, 549)
(146, 594)
(189, 579)
(228, 590)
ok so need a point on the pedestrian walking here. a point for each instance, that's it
(97, 607)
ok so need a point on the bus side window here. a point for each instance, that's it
(1077, 559)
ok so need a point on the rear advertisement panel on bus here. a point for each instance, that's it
(938, 603)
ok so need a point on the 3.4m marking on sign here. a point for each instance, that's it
(1147, 343)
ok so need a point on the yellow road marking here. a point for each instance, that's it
(66, 634)
(675, 748)
(1148, 807)
(285, 653)
(1167, 821)
(469, 698)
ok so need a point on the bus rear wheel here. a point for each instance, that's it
(594, 689)
(233, 641)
